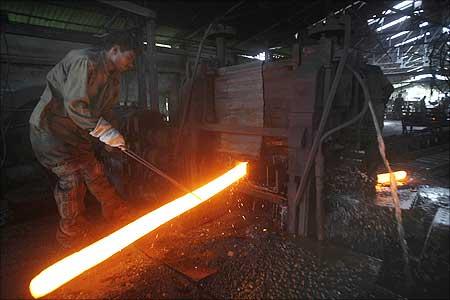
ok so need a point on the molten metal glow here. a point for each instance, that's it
(70, 267)
(385, 178)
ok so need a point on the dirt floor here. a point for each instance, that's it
(235, 255)
(229, 247)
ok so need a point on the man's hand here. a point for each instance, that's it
(108, 135)
(113, 138)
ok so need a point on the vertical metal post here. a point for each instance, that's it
(296, 55)
(319, 171)
(152, 70)
(303, 212)
(292, 212)
(220, 47)
(141, 78)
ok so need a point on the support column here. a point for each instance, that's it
(267, 54)
(220, 46)
(152, 70)
(141, 81)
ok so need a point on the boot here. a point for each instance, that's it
(72, 233)
(116, 212)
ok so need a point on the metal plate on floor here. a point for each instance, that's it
(442, 217)
(196, 273)
(406, 196)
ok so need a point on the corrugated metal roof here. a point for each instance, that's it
(50, 15)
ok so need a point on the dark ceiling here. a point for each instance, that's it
(258, 24)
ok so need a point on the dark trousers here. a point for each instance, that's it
(75, 174)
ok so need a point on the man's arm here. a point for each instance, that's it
(80, 108)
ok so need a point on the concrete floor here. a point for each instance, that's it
(394, 127)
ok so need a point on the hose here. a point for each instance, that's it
(368, 104)
(393, 182)
(194, 73)
(323, 121)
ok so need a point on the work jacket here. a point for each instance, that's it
(79, 92)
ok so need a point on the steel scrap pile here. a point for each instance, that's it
(354, 221)
(273, 267)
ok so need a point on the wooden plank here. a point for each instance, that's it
(239, 102)
(237, 69)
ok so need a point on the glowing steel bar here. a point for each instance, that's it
(385, 178)
(70, 267)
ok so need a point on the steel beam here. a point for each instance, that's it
(49, 33)
(131, 7)
(245, 130)
(261, 193)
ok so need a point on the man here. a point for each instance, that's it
(74, 111)
(422, 107)
(398, 105)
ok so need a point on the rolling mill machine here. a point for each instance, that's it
(294, 120)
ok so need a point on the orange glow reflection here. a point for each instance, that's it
(385, 178)
(75, 264)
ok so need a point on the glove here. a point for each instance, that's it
(113, 138)
(107, 134)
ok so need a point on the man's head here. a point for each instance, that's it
(121, 60)
(121, 49)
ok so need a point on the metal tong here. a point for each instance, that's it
(158, 171)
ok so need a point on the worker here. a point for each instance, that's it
(445, 103)
(422, 107)
(75, 111)
(398, 106)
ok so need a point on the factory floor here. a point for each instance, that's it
(229, 247)
(225, 254)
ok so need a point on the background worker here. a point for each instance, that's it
(398, 106)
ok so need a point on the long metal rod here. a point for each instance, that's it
(158, 171)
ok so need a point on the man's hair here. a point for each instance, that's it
(126, 40)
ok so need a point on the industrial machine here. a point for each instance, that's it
(294, 120)
(270, 113)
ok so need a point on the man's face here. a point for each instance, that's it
(122, 60)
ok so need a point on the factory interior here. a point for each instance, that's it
(225, 150)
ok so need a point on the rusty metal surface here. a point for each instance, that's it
(239, 100)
